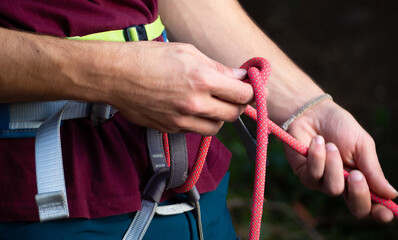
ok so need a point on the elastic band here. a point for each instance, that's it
(304, 108)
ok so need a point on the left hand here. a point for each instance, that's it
(336, 141)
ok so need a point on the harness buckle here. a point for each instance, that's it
(139, 29)
(52, 205)
(101, 112)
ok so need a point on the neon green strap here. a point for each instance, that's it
(153, 30)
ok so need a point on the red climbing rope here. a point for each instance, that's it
(258, 70)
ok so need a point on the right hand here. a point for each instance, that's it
(345, 145)
(173, 87)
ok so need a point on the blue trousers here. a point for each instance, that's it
(215, 218)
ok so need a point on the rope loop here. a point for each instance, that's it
(258, 70)
(261, 65)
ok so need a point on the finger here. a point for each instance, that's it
(207, 106)
(368, 163)
(333, 179)
(382, 214)
(358, 195)
(203, 126)
(316, 159)
(237, 73)
(230, 89)
(183, 124)
(219, 110)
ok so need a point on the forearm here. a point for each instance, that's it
(233, 40)
(39, 68)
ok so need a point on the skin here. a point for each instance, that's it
(239, 39)
(180, 96)
(187, 86)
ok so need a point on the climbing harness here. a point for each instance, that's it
(167, 153)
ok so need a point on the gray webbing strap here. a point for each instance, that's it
(179, 160)
(32, 114)
(154, 188)
(51, 198)
(173, 176)
(141, 221)
(154, 143)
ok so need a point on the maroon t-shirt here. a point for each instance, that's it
(105, 166)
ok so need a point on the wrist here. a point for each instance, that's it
(311, 120)
(306, 107)
(91, 70)
(88, 70)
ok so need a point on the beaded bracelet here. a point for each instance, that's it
(304, 108)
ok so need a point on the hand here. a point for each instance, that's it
(175, 88)
(171, 87)
(347, 146)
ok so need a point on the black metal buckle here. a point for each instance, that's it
(141, 32)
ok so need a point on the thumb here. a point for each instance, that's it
(237, 73)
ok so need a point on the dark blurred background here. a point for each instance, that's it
(349, 48)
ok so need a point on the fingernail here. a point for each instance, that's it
(239, 72)
(356, 176)
(319, 140)
(331, 147)
(393, 189)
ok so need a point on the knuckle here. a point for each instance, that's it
(334, 190)
(193, 106)
(213, 129)
(221, 68)
(316, 174)
(183, 55)
(316, 154)
(244, 95)
(360, 213)
(370, 142)
(367, 142)
(234, 116)
(175, 123)
(182, 48)
(178, 124)
(199, 80)
(189, 47)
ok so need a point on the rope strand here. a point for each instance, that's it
(258, 72)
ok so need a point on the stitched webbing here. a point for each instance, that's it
(153, 30)
(52, 198)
